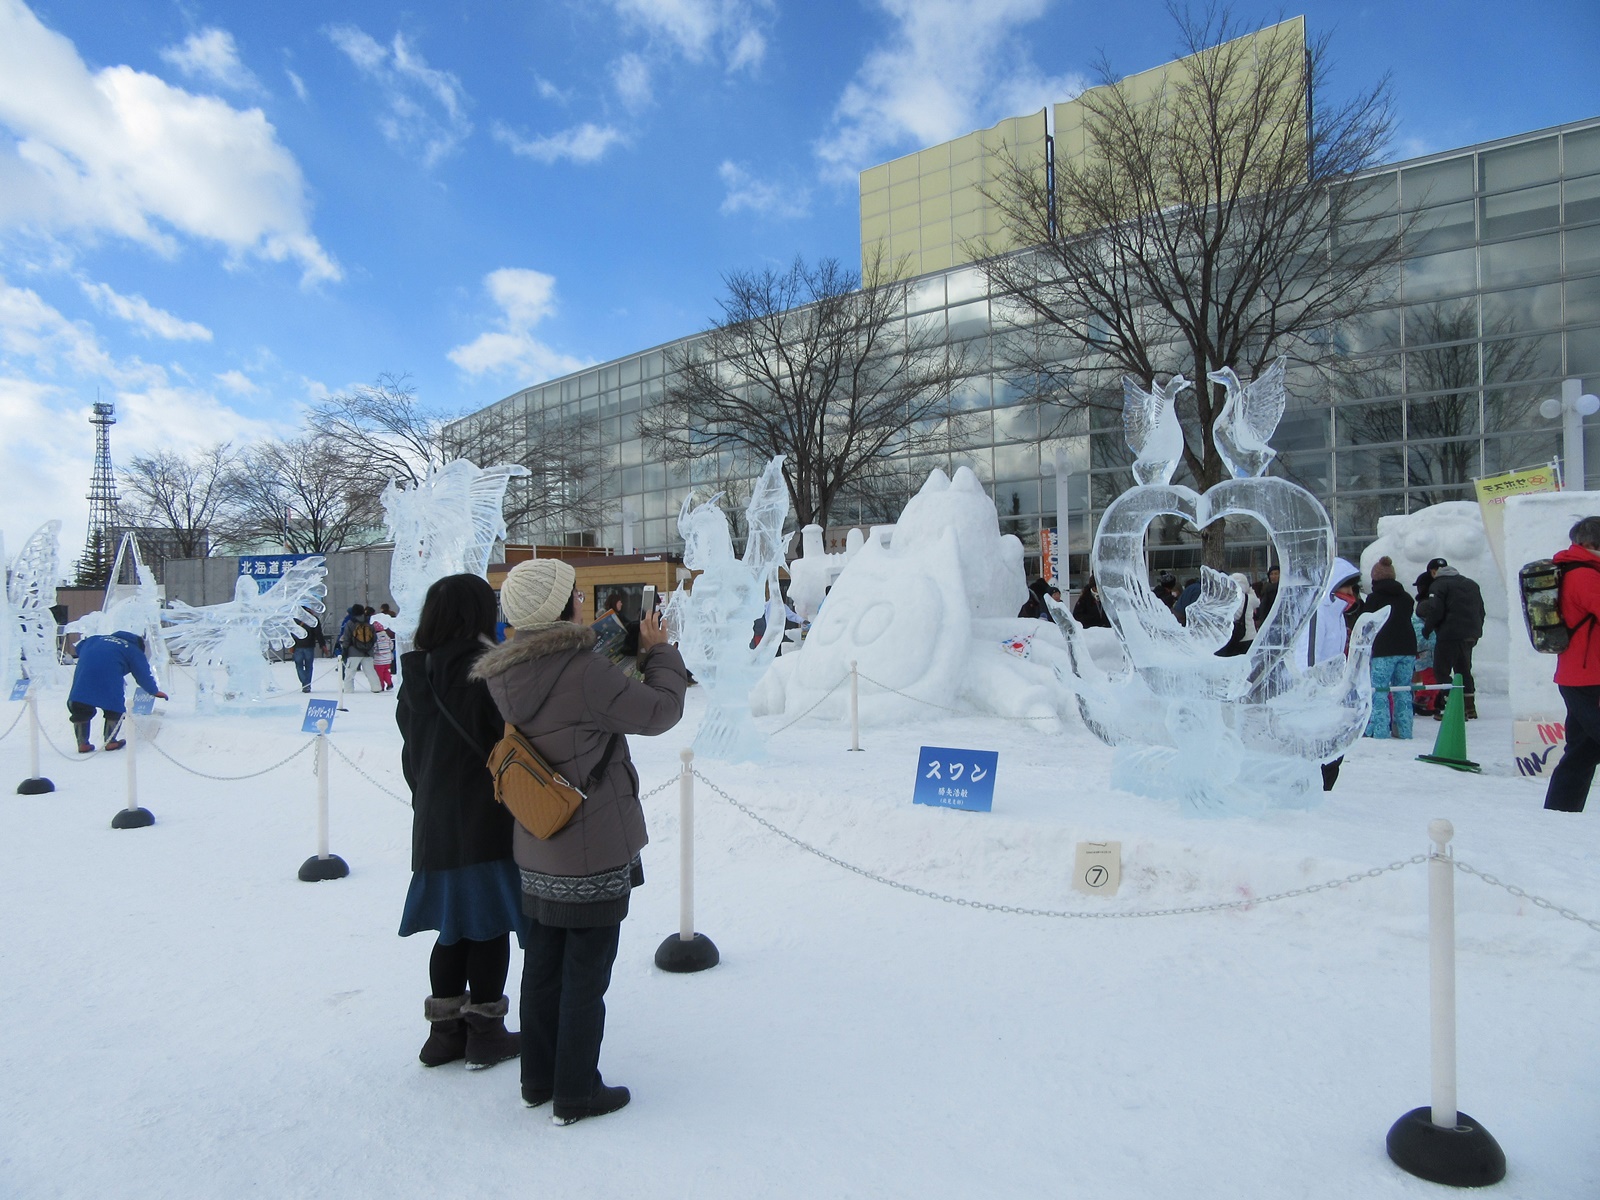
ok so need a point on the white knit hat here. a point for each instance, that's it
(535, 592)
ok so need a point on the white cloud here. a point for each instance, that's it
(238, 383)
(211, 56)
(426, 107)
(298, 84)
(525, 298)
(149, 319)
(748, 194)
(696, 29)
(549, 91)
(122, 152)
(630, 75)
(950, 66)
(584, 143)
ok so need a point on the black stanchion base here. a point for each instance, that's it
(1466, 1156)
(315, 869)
(681, 957)
(35, 787)
(132, 818)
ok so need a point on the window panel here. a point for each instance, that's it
(1516, 359)
(1582, 198)
(1432, 275)
(1016, 461)
(1444, 321)
(1582, 152)
(1583, 250)
(1583, 351)
(1518, 166)
(1313, 471)
(1447, 227)
(1583, 300)
(1522, 311)
(1433, 465)
(1016, 424)
(1367, 424)
(969, 320)
(1522, 261)
(1369, 197)
(1521, 212)
(1364, 378)
(1509, 409)
(1437, 183)
(1518, 450)
(1449, 415)
(1358, 516)
(1375, 331)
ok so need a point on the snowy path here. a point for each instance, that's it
(187, 1019)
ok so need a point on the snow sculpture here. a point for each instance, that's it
(813, 573)
(134, 605)
(713, 624)
(1223, 735)
(446, 525)
(31, 590)
(228, 643)
(927, 609)
(1454, 531)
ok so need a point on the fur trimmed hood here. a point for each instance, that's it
(536, 641)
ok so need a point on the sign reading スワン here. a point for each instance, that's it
(949, 778)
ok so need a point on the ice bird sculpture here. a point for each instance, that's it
(447, 524)
(229, 642)
(1150, 423)
(713, 624)
(134, 605)
(31, 590)
(1249, 416)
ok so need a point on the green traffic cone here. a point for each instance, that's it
(1450, 747)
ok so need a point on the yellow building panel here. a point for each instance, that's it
(874, 203)
(940, 258)
(966, 227)
(902, 194)
(965, 148)
(936, 209)
(874, 179)
(966, 174)
(936, 184)
(905, 220)
(903, 169)
(935, 158)
(874, 227)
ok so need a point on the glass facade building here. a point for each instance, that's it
(1497, 302)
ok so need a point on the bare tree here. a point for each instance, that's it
(305, 494)
(182, 495)
(386, 433)
(1215, 223)
(813, 364)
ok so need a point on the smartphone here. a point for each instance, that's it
(648, 604)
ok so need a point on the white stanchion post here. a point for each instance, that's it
(35, 784)
(132, 815)
(323, 864)
(1442, 971)
(686, 951)
(855, 708)
(1440, 1143)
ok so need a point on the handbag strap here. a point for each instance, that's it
(594, 778)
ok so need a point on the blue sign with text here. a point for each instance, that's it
(267, 569)
(319, 710)
(948, 778)
(19, 690)
(143, 702)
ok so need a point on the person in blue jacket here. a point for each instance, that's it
(103, 662)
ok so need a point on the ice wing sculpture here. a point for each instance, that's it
(714, 624)
(232, 640)
(134, 605)
(1249, 415)
(32, 590)
(1150, 423)
(10, 668)
(1223, 735)
(446, 525)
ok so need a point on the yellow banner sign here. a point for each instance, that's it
(1494, 490)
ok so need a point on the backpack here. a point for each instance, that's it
(1540, 585)
(536, 795)
(361, 634)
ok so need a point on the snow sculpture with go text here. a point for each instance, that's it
(229, 643)
(713, 624)
(1220, 734)
(445, 525)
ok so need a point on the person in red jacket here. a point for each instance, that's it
(1578, 668)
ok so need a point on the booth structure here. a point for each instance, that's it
(602, 576)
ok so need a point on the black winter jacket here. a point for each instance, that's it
(1397, 637)
(1453, 607)
(455, 821)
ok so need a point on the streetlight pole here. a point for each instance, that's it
(1572, 407)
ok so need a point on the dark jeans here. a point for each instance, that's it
(1452, 656)
(480, 966)
(565, 973)
(302, 664)
(1569, 782)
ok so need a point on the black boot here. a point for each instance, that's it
(487, 1040)
(1472, 706)
(81, 730)
(447, 1037)
(605, 1100)
(113, 742)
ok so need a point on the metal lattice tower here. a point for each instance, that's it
(95, 565)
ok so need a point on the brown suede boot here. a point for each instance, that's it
(1472, 706)
(447, 1035)
(487, 1040)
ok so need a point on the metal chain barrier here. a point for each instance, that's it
(1113, 914)
(356, 767)
(812, 709)
(44, 732)
(156, 746)
(21, 712)
(1537, 901)
(658, 789)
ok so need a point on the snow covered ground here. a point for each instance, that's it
(186, 1019)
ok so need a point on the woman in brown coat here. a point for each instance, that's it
(574, 706)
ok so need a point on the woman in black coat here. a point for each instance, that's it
(1394, 654)
(464, 883)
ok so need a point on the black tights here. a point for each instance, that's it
(480, 965)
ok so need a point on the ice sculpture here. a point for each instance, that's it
(132, 602)
(1150, 423)
(446, 525)
(1248, 417)
(927, 609)
(228, 643)
(713, 624)
(31, 590)
(10, 666)
(1223, 735)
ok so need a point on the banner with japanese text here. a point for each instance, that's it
(267, 569)
(1495, 490)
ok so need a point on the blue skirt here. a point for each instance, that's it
(480, 902)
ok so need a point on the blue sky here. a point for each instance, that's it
(217, 213)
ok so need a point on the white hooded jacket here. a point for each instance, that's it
(1324, 635)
